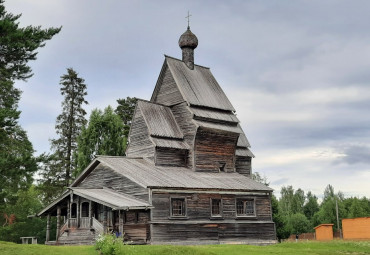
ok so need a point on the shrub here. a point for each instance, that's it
(109, 244)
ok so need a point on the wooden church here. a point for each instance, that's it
(186, 176)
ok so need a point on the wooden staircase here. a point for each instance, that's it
(79, 236)
(76, 236)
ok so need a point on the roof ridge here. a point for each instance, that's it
(108, 156)
(184, 63)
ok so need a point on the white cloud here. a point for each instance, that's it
(296, 72)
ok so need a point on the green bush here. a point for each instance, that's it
(109, 244)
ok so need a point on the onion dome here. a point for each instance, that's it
(188, 40)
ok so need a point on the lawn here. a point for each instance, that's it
(312, 248)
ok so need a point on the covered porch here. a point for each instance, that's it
(82, 214)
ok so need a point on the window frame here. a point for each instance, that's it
(184, 214)
(220, 215)
(245, 207)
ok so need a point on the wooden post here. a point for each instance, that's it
(91, 214)
(58, 223)
(78, 212)
(69, 213)
(48, 228)
(120, 228)
(105, 219)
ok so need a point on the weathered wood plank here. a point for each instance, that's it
(215, 151)
(103, 176)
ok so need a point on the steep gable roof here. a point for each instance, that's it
(198, 86)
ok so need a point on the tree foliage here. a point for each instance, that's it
(17, 47)
(311, 206)
(104, 135)
(70, 121)
(51, 174)
(27, 204)
(256, 176)
(125, 110)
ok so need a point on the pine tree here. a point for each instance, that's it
(52, 181)
(103, 135)
(17, 47)
(125, 110)
(70, 121)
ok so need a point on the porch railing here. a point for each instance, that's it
(98, 226)
(63, 228)
(73, 222)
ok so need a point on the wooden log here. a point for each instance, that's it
(48, 228)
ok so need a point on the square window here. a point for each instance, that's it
(178, 207)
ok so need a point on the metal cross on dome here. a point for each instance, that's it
(188, 17)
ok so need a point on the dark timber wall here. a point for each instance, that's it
(243, 165)
(136, 227)
(170, 157)
(213, 149)
(198, 226)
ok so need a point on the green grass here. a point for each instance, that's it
(303, 247)
(38, 249)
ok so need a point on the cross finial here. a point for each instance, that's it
(188, 17)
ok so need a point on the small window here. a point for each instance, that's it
(216, 207)
(222, 167)
(178, 207)
(245, 207)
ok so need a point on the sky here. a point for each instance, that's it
(297, 73)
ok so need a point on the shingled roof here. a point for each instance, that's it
(198, 86)
(145, 173)
(160, 120)
(104, 196)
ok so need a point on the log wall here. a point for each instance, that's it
(198, 225)
(170, 157)
(135, 226)
(198, 205)
(213, 233)
(213, 149)
(243, 165)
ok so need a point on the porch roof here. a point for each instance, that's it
(104, 196)
(112, 199)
